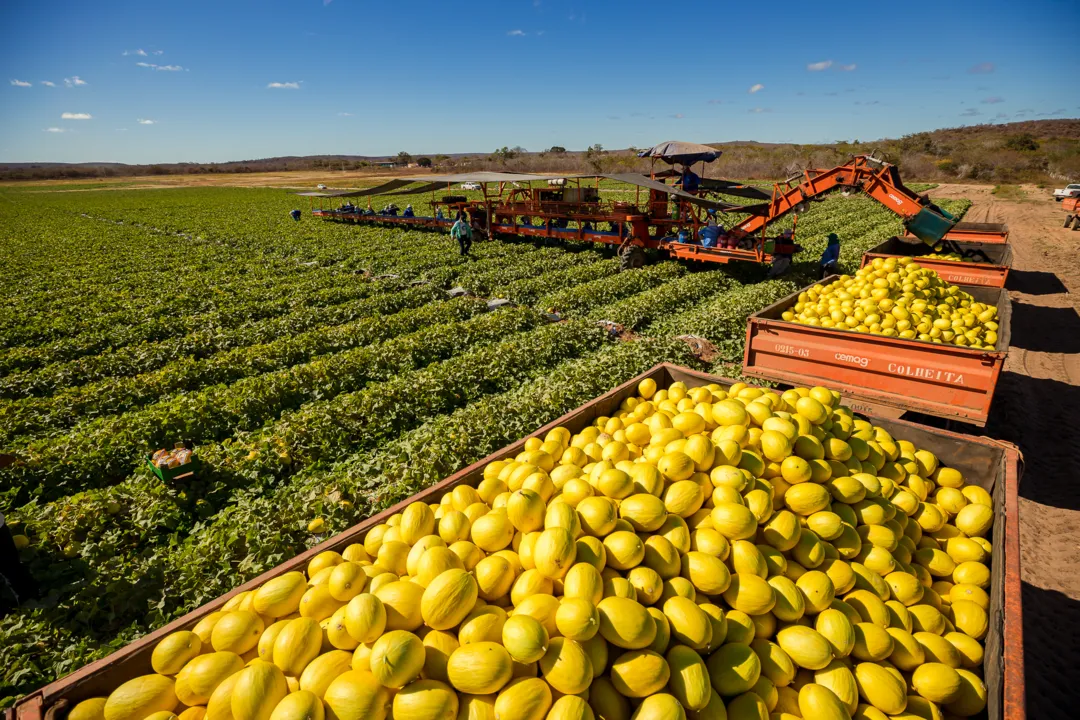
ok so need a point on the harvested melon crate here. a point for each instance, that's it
(990, 472)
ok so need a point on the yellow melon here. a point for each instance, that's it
(689, 681)
(397, 658)
(750, 594)
(448, 599)
(196, 682)
(425, 699)
(480, 668)
(805, 646)
(142, 696)
(639, 673)
(89, 709)
(707, 573)
(174, 651)
(554, 552)
(689, 623)
(817, 702)
(296, 645)
(356, 695)
(299, 705)
(734, 668)
(365, 618)
(837, 677)
(625, 623)
(322, 671)
(258, 689)
(881, 688)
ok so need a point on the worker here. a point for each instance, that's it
(830, 259)
(295, 215)
(439, 214)
(461, 232)
(408, 212)
(783, 249)
(460, 215)
(710, 234)
(690, 180)
(15, 581)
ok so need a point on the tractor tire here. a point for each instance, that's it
(1068, 221)
(632, 258)
(1076, 223)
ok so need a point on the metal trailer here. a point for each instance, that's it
(985, 264)
(878, 374)
(993, 465)
(656, 222)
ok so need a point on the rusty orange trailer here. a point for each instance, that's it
(988, 264)
(888, 375)
(991, 464)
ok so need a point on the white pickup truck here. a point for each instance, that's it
(1072, 190)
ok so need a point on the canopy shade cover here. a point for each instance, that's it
(684, 153)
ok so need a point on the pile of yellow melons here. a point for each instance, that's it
(896, 297)
(701, 554)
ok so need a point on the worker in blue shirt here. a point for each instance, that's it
(690, 181)
(830, 259)
(295, 215)
(408, 212)
(712, 230)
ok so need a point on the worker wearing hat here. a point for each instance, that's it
(830, 259)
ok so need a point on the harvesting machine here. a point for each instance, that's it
(662, 216)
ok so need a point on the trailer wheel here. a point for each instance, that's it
(1068, 221)
(632, 258)
(1076, 222)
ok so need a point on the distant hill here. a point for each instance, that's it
(1042, 151)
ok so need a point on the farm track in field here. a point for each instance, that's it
(346, 387)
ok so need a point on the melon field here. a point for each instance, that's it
(322, 371)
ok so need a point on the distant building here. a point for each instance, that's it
(387, 164)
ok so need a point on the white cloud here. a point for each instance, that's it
(760, 110)
(846, 68)
(48, 83)
(159, 52)
(819, 66)
(76, 116)
(345, 114)
(169, 68)
(21, 83)
(54, 130)
(677, 116)
(756, 88)
(141, 121)
(140, 52)
(285, 85)
(74, 81)
(516, 33)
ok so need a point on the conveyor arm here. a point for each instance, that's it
(878, 179)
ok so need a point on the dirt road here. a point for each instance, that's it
(1037, 407)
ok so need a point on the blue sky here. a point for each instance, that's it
(155, 81)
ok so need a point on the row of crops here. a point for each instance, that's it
(321, 369)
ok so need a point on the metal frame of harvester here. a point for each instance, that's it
(656, 221)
